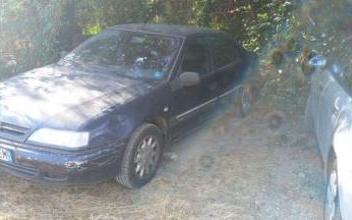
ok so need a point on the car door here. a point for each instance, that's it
(316, 89)
(226, 60)
(330, 103)
(191, 103)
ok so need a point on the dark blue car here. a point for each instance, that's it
(108, 108)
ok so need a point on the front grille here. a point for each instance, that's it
(12, 129)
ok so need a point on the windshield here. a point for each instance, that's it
(136, 55)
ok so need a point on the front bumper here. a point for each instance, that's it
(49, 165)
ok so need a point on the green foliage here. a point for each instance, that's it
(98, 14)
(29, 30)
(277, 57)
(33, 33)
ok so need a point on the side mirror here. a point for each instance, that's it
(318, 61)
(188, 79)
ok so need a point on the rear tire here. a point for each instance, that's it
(141, 157)
(331, 206)
(247, 97)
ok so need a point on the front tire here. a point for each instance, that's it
(141, 157)
(331, 206)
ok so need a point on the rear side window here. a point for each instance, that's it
(224, 52)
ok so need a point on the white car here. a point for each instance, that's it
(329, 119)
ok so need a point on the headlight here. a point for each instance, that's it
(60, 138)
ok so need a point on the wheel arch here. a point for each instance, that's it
(161, 123)
(327, 160)
(343, 188)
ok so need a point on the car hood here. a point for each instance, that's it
(63, 97)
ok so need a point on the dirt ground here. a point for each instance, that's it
(229, 169)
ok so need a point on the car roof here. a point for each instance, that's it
(177, 30)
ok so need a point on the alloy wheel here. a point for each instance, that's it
(146, 157)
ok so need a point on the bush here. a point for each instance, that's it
(34, 32)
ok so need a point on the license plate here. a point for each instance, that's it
(5, 155)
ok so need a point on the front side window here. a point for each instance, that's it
(195, 58)
(224, 51)
(135, 55)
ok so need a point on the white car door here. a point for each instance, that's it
(313, 102)
(342, 144)
(331, 96)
